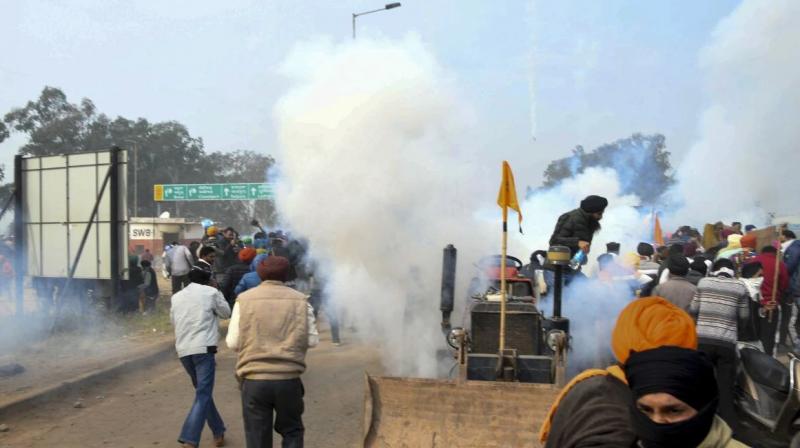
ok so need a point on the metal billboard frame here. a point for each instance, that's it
(47, 225)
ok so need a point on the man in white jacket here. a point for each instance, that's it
(195, 315)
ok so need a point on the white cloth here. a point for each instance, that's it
(753, 286)
(232, 338)
(179, 260)
(195, 314)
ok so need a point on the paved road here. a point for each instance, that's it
(147, 408)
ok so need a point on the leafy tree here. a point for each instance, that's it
(641, 161)
(158, 153)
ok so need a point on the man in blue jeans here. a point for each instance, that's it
(195, 315)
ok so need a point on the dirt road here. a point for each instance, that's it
(147, 408)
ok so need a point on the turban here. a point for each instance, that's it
(645, 249)
(631, 260)
(651, 322)
(699, 265)
(734, 241)
(678, 265)
(594, 204)
(683, 373)
(273, 268)
(211, 231)
(749, 240)
(247, 254)
(686, 375)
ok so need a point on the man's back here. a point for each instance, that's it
(718, 305)
(678, 290)
(195, 314)
(180, 260)
(273, 332)
(594, 413)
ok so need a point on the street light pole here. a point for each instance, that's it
(387, 7)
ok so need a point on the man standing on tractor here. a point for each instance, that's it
(575, 229)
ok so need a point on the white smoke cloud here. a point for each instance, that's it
(745, 162)
(622, 222)
(377, 173)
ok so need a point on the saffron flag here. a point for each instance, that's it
(658, 234)
(507, 198)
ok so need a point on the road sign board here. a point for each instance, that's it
(212, 192)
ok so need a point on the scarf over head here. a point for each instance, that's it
(686, 375)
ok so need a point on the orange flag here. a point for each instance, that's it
(507, 198)
(658, 234)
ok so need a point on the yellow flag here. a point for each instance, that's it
(507, 198)
(658, 234)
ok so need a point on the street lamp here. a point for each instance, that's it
(388, 6)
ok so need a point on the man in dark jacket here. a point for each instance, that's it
(575, 229)
(235, 273)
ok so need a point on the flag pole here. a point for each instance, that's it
(503, 283)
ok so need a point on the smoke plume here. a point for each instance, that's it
(377, 173)
(745, 161)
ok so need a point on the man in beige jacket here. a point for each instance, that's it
(272, 326)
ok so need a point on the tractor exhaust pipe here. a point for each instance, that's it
(447, 299)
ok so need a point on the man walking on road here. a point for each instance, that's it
(178, 263)
(195, 315)
(271, 328)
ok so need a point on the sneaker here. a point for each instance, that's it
(219, 441)
(337, 344)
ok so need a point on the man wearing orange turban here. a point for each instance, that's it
(593, 409)
(235, 273)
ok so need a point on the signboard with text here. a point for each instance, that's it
(212, 192)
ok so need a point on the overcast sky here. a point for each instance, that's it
(600, 70)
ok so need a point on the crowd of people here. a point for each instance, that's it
(256, 283)
(692, 299)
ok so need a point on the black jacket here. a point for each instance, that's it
(232, 276)
(574, 226)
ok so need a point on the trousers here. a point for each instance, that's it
(268, 401)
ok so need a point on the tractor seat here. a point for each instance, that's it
(765, 369)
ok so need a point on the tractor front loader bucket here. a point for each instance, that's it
(422, 413)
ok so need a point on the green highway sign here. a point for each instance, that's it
(212, 192)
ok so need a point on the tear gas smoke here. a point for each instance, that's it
(591, 305)
(745, 161)
(622, 221)
(377, 172)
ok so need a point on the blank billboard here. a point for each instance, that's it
(59, 195)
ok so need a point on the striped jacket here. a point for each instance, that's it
(718, 306)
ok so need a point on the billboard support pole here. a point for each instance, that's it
(19, 238)
(114, 218)
(77, 259)
(8, 203)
